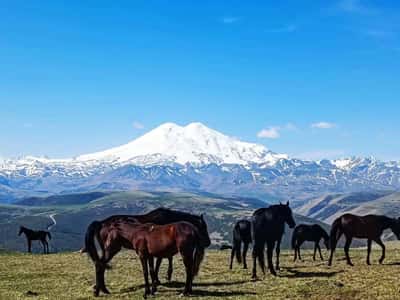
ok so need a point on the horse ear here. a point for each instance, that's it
(287, 203)
(280, 203)
(201, 217)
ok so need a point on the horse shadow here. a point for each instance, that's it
(196, 292)
(177, 284)
(300, 274)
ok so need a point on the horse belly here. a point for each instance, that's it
(162, 249)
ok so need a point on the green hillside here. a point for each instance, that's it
(72, 219)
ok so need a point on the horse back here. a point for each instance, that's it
(368, 226)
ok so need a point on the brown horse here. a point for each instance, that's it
(159, 216)
(368, 227)
(149, 241)
(32, 235)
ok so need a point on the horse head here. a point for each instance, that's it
(21, 230)
(287, 214)
(396, 228)
(203, 232)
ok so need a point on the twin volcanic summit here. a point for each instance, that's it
(198, 159)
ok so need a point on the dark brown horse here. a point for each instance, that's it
(102, 229)
(368, 227)
(241, 234)
(268, 226)
(32, 235)
(312, 233)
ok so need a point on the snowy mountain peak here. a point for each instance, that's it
(194, 143)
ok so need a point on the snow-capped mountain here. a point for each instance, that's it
(194, 143)
(195, 158)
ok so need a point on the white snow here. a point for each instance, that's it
(194, 143)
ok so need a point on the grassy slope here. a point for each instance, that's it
(70, 276)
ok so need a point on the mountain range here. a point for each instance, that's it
(195, 158)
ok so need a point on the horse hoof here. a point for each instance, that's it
(105, 291)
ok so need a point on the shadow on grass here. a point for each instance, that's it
(196, 292)
(396, 263)
(300, 274)
(207, 293)
(177, 284)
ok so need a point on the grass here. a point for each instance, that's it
(71, 276)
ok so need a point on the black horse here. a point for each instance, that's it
(32, 235)
(101, 231)
(268, 227)
(368, 227)
(313, 233)
(241, 234)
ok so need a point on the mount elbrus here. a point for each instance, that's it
(194, 158)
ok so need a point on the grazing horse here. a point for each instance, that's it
(102, 229)
(368, 227)
(32, 235)
(241, 234)
(312, 233)
(268, 225)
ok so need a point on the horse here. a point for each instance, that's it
(102, 229)
(149, 241)
(268, 225)
(313, 233)
(32, 235)
(241, 233)
(368, 227)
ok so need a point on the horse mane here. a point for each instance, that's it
(164, 210)
(269, 208)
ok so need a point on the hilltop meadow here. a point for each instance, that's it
(70, 275)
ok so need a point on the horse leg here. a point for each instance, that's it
(346, 250)
(100, 269)
(245, 248)
(319, 250)
(368, 250)
(157, 270)
(278, 251)
(29, 246)
(144, 262)
(270, 252)
(295, 253)
(44, 246)
(109, 253)
(47, 246)
(334, 240)
(170, 268)
(298, 249)
(152, 275)
(258, 253)
(232, 256)
(188, 261)
(380, 243)
(315, 250)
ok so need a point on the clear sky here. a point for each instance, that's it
(309, 78)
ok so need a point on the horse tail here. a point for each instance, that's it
(198, 258)
(335, 232)
(237, 244)
(48, 234)
(294, 238)
(92, 233)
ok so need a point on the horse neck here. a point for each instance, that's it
(388, 223)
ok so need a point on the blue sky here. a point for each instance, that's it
(309, 78)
